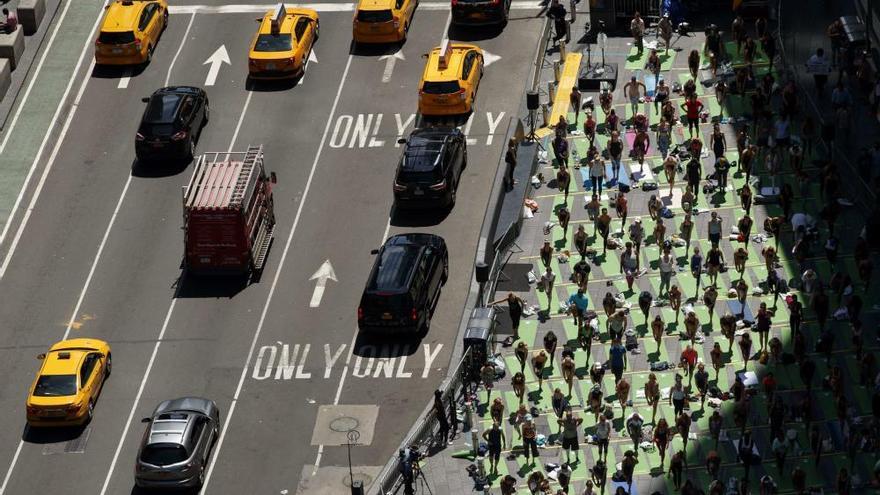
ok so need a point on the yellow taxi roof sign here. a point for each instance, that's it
(443, 58)
(278, 15)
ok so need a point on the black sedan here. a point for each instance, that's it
(172, 123)
(480, 12)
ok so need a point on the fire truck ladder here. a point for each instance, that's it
(253, 155)
(264, 239)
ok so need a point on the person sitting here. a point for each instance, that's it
(11, 22)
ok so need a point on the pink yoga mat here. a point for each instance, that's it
(630, 138)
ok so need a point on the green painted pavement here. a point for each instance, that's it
(34, 123)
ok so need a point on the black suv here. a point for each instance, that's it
(404, 284)
(172, 123)
(430, 168)
(480, 12)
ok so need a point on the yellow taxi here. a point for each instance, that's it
(69, 382)
(282, 45)
(130, 31)
(382, 21)
(449, 83)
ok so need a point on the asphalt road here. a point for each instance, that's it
(99, 256)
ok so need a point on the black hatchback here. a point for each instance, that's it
(480, 12)
(404, 285)
(172, 123)
(430, 168)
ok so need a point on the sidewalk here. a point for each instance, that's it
(445, 473)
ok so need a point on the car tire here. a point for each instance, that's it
(317, 30)
(149, 55)
(109, 368)
(165, 20)
(91, 412)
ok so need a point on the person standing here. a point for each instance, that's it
(637, 29)
(661, 440)
(818, 65)
(621, 207)
(617, 355)
(563, 216)
(604, 224)
(676, 467)
(665, 30)
(557, 12)
(574, 98)
(634, 424)
(652, 395)
(515, 311)
(578, 303)
(569, 426)
(496, 442)
(677, 395)
(615, 151)
(547, 280)
(692, 108)
(440, 413)
(667, 269)
(701, 378)
(560, 150)
(780, 449)
(694, 63)
(529, 437)
(563, 180)
(628, 466)
(603, 432)
(597, 175)
(683, 422)
(694, 172)
(686, 231)
(634, 90)
(716, 422)
(745, 453)
(714, 229)
(762, 325)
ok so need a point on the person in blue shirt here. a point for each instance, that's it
(617, 355)
(577, 304)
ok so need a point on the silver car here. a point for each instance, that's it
(175, 449)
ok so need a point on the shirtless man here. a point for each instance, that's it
(634, 90)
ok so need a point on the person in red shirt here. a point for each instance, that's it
(692, 108)
(689, 361)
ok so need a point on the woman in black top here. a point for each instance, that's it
(718, 141)
(693, 171)
(515, 310)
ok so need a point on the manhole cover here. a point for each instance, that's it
(344, 424)
(364, 478)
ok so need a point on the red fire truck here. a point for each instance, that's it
(228, 214)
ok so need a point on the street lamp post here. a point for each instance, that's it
(353, 436)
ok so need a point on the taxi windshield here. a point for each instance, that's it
(273, 43)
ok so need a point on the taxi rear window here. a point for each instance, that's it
(374, 15)
(440, 87)
(116, 38)
(273, 43)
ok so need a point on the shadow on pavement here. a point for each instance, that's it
(418, 218)
(154, 169)
(197, 286)
(386, 346)
(52, 435)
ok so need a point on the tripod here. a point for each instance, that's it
(419, 476)
(533, 117)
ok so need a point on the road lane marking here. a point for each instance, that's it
(390, 61)
(140, 391)
(179, 48)
(22, 105)
(325, 272)
(137, 398)
(218, 58)
(318, 7)
(347, 362)
(124, 80)
(259, 329)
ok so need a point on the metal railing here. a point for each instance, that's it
(425, 431)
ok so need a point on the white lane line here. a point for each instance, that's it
(124, 80)
(179, 48)
(137, 397)
(22, 105)
(82, 294)
(146, 376)
(12, 465)
(347, 362)
(287, 245)
(317, 6)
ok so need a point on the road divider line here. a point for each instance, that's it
(124, 80)
(22, 105)
(216, 454)
(317, 6)
(179, 48)
(140, 391)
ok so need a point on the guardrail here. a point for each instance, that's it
(424, 433)
(540, 56)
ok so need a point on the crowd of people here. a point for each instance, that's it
(775, 139)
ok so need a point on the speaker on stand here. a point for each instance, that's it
(533, 103)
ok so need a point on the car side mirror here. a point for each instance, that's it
(259, 19)
(374, 251)
(41, 356)
(424, 55)
(273, 178)
(145, 99)
(145, 420)
(401, 141)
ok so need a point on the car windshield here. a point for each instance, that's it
(116, 38)
(163, 454)
(55, 385)
(273, 43)
(162, 109)
(374, 15)
(440, 87)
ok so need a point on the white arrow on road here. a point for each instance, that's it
(324, 273)
(390, 61)
(312, 59)
(220, 57)
(490, 58)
